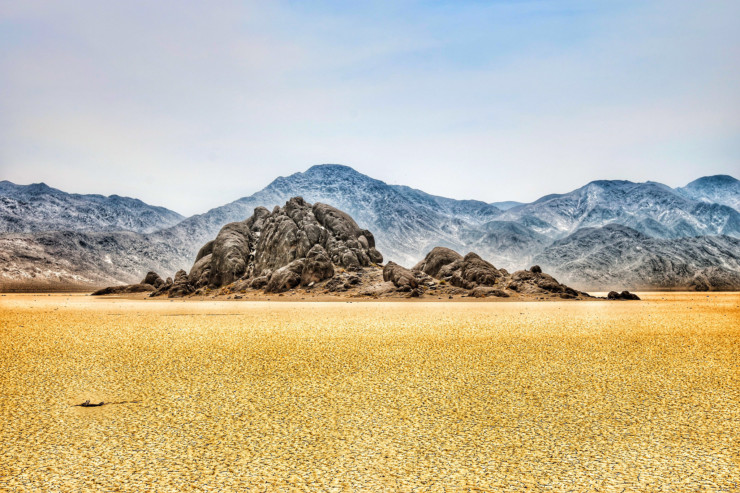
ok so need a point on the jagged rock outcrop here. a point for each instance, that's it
(321, 249)
(180, 286)
(299, 244)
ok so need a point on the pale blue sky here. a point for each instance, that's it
(194, 104)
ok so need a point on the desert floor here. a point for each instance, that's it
(424, 396)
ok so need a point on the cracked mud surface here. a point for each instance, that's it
(557, 396)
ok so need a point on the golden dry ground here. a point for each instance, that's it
(557, 396)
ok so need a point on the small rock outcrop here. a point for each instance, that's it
(151, 282)
(624, 295)
(466, 272)
(482, 279)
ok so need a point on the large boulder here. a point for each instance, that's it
(200, 273)
(477, 272)
(180, 286)
(318, 266)
(153, 279)
(286, 277)
(466, 272)
(401, 277)
(230, 254)
(435, 260)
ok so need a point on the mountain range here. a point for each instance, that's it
(599, 236)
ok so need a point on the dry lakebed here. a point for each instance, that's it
(220, 395)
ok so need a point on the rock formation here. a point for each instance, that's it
(319, 249)
(483, 279)
(624, 295)
(296, 245)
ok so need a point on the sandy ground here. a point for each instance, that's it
(425, 396)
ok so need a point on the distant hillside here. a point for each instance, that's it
(38, 207)
(587, 237)
(78, 258)
(652, 208)
(409, 222)
(718, 189)
(617, 257)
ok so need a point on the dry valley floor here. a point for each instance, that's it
(374, 396)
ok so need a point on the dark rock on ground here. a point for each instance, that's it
(153, 279)
(131, 288)
(150, 283)
(624, 295)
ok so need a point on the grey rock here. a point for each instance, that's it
(436, 259)
(286, 277)
(401, 277)
(259, 282)
(297, 244)
(153, 279)
(230, 254)
(180, 286)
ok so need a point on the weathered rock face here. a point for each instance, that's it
(435, 260)
(180, 286)
(401, 277)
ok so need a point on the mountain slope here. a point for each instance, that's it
(650, 207)
(71, 257)
(38, 207)
(718, 189)
(410, 222)
(618, 257)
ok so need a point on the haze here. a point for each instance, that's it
(193, 105)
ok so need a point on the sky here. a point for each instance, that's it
(191, 104)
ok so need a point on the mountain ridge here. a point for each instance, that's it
(39, 207)
(409, 222)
